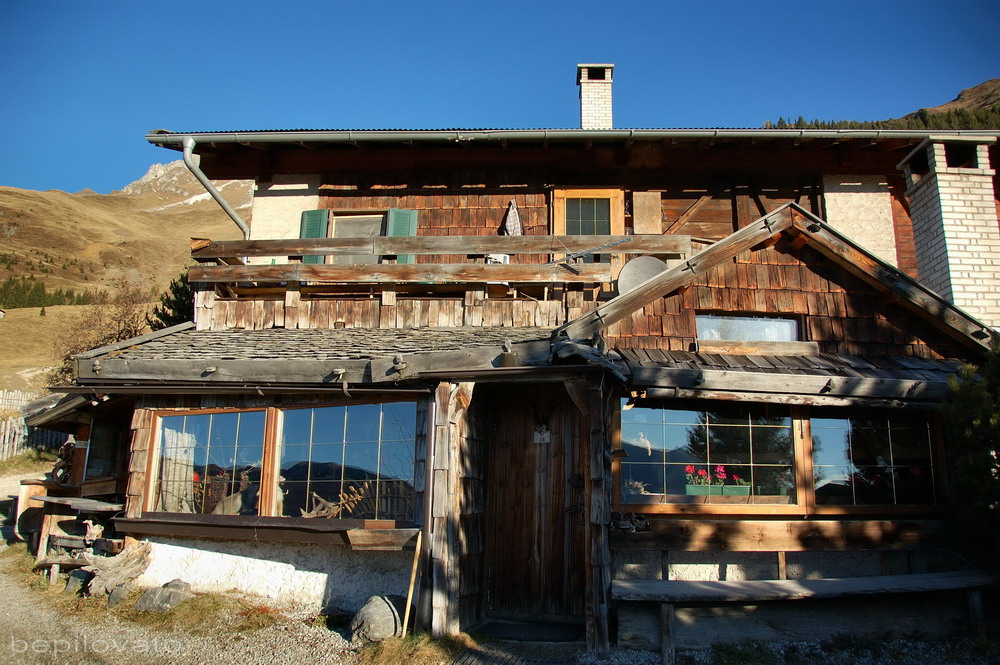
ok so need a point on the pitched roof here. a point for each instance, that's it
(306, 356)
(805, 229)
(319, 345)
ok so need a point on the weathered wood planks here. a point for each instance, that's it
(647, 243)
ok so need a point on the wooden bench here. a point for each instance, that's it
(773, 538)
(673, 592)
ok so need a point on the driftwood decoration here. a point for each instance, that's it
(346, 502)
(110, 572)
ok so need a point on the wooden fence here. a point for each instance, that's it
(15, 436)
(15, 399)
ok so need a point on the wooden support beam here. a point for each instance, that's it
(908, 292)
(791, 384)
(757, 535)
(584, 273)
(462, 245)
(692, 210)
(623, 305)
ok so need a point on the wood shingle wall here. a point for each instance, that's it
(837, 310)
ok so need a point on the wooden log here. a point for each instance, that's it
(774, 383)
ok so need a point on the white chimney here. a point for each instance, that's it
(595, 95)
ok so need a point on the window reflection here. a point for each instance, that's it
(211, 463)
(733, 453)
(353, 461)
(873, 458)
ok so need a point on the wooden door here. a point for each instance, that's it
(534, 520)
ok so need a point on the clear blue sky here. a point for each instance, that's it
(82, 81)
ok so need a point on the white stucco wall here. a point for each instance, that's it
(278, 206)
(293, 574)
(860, 207)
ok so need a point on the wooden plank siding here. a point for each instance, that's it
(472, 212)
(837, 310)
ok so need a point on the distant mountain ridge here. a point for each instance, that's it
(977, 107)
(86, 240)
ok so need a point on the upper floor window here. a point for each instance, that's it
(589, 212)
(393, 222)
(746, 328)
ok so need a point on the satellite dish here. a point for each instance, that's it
(637, 271)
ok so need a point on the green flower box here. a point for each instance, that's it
(703, 490)
(736, 490)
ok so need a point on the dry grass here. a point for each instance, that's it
(204, 614)
(416, 650)
(31, 463)
(84, 243)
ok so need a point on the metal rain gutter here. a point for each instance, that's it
(189, 143)
(171, 140)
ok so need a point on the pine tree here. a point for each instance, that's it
(176, 304)
(971, 416)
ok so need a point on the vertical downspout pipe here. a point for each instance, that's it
(189, 143)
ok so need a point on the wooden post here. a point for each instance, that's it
(599, 580)
(667, 633)
(976, 615)
(413, 579)
(451, 402)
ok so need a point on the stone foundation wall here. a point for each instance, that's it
(300, 574)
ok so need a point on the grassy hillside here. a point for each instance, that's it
(28, 342)
(86, 241)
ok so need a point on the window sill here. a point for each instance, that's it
(763, 509)
(372, 535)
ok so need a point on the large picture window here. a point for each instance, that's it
(875, 458)
(730, 454)
(349, 461)
(211, 463)
(344, 461)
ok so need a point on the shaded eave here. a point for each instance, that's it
(174, 140)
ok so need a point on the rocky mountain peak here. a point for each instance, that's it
(172, 177)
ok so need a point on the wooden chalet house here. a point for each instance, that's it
(568, 360)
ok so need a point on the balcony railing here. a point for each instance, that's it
(558, 250)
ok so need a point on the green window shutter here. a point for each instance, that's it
(314, 224)
(401, 223)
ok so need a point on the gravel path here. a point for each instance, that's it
(35, 633)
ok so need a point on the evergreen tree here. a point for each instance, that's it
(176, 304)
(971, 416)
